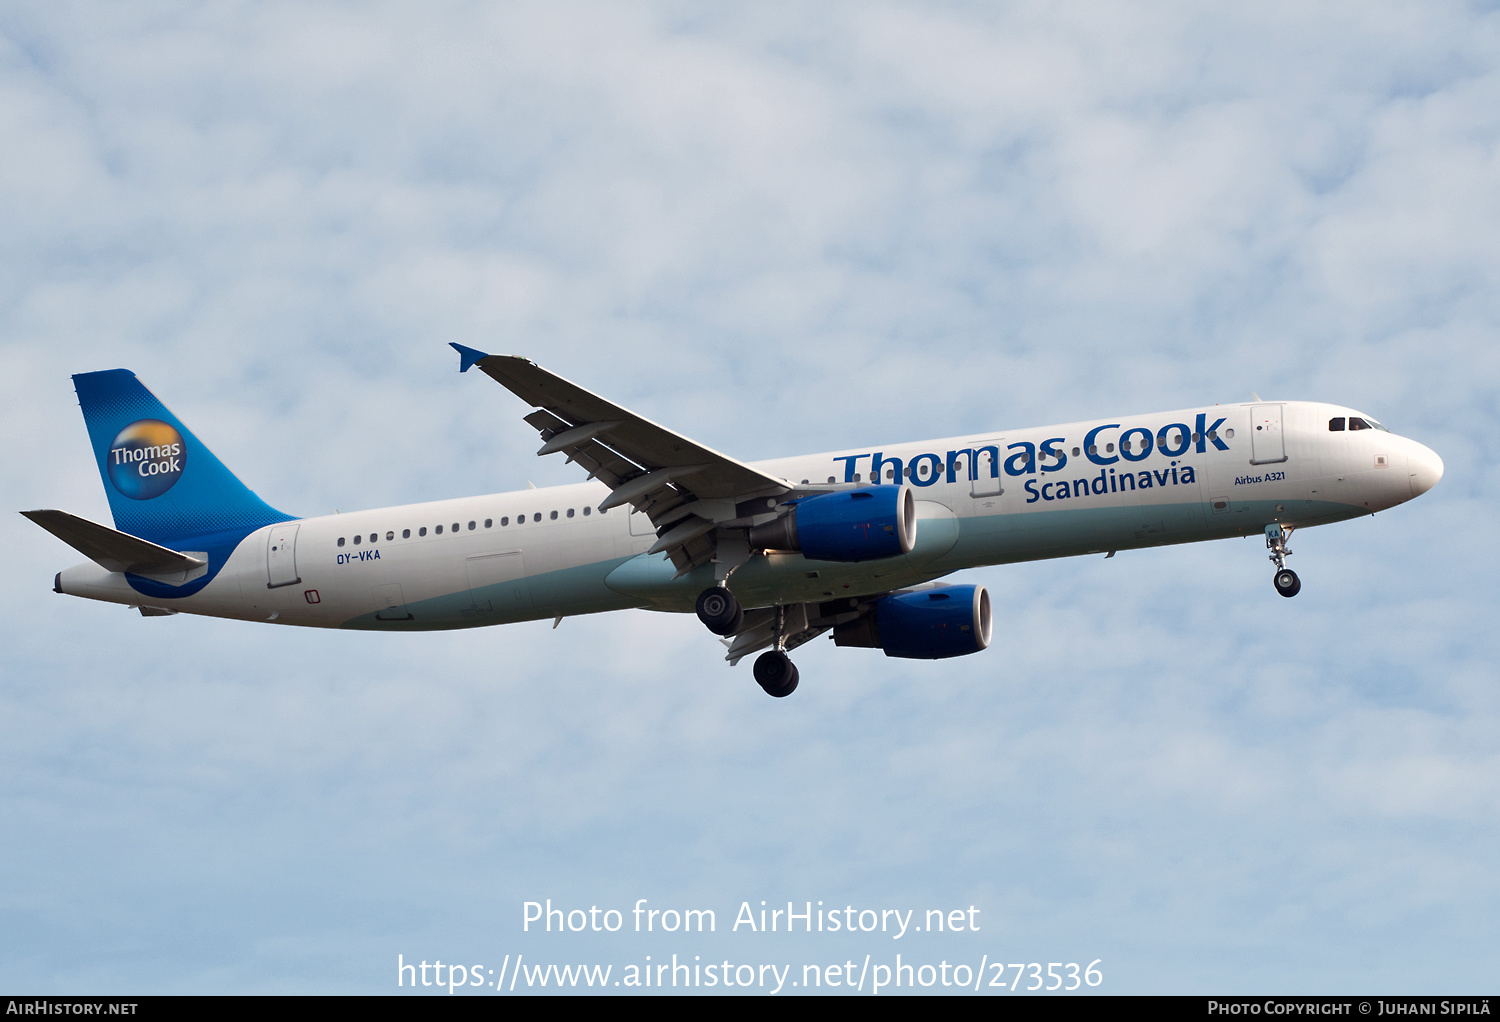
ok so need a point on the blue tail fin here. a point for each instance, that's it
(163, 484)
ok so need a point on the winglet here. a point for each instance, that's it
(468, 356)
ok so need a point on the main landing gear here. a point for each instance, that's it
(1286, 581)
(722, 614)
(719, 611)
(775, 672)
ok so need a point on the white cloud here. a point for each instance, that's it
(775, 231)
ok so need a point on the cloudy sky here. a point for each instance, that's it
(777, 232)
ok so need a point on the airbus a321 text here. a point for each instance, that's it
(769, 555)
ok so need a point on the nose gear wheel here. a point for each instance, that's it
(1286, 581)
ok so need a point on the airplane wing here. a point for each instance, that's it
(661, 473)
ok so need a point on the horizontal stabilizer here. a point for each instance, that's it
(110, 549)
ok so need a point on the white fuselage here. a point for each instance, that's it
(545, 553)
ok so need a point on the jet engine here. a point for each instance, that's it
(928, 624)
(853, 525)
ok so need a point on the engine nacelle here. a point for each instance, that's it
(929, 624)
(853, 525)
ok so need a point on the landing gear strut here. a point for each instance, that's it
(1286, 581)
(722, 614)
(774, 670)
(719, 611)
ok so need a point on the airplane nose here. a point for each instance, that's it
(1424, 469)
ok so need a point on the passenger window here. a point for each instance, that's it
(586, 511)
(471, 526)
(422, 531)
(437, 530)
(406, 534)
(390, 535)
(488, 522)
(505, 521)
(341, 541)
(1336, 424)
(374, 537)
(536, 517)
(455, 526)
(830, 479)
(553, 516)
(356, 541)
(570, 512)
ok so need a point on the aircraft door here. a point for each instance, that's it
(389, 603)
(986, 473)
(497, 582)
(1267, 442)
(281, 556)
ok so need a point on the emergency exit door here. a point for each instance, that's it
(985, 472)
(281, 557)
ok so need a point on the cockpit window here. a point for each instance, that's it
(1336, 425)
(1377, 425)
(1355, 423)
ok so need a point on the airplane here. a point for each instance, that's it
(768, 555)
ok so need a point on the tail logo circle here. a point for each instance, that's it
(146, 459)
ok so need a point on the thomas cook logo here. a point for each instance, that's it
(146, 459)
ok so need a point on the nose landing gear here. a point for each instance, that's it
(1286, 581)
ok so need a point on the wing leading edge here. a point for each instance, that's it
(686, 489)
